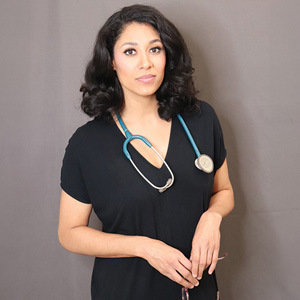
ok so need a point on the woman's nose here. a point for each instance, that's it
(145, 62)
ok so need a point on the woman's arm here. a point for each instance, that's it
(206, 240)
(75, 236)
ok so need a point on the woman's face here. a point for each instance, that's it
(139, 60)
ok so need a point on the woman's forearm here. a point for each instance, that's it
(89, 241)
(206, 240)
(167, 260)
(222, 202)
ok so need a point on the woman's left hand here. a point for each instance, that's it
(206, 244)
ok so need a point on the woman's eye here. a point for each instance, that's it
(155, 50)
(129, 51)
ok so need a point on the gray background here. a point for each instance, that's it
(246, 55)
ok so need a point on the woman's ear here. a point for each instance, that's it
(113, 65)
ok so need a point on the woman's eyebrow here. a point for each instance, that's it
(154, 41)
(135, 44)
(129, 44)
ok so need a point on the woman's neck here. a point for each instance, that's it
(140, 109)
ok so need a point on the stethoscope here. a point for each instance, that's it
(202, 162)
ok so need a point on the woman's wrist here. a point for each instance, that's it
(142, 247)
(212, 215)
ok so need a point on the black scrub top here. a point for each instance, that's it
(95, 170)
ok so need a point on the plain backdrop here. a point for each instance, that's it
(246, 56)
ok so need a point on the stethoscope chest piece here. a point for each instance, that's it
(204, 163)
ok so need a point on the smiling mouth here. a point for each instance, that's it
(146, 78)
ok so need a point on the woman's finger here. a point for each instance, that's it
(185, 273)
(175, 276)
(209, 258)
(214, 261)
(185, 262)
(195, 256)
(202, 263)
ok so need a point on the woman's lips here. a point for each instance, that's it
(146, 78)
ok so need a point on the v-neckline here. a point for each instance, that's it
(138, 153)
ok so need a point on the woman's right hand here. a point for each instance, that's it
(170, 262)
(75, 236)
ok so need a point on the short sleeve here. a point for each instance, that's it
(71, 179)
(219, 145)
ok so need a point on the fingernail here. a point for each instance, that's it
(194, 275)
(197, 283)
(198, 277)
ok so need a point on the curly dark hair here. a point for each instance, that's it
(102, 91)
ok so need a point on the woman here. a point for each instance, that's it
(161, 219)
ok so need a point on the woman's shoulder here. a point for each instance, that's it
(205, 106)
(88, 132)
(205, 111)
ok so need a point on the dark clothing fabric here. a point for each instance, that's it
(95, 170)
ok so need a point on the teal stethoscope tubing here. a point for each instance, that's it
(188, 133)
(130, 137)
